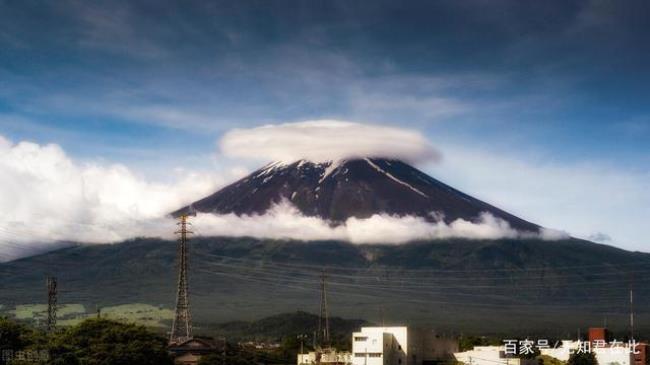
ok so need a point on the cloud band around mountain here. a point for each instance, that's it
(285, 221)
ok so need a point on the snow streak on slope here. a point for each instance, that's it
(394, 178)
(333, 166)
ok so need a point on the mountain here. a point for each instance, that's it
(359, 188)
(509, 286)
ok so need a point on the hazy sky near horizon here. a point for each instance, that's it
(540, 107)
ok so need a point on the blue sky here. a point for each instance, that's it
(559, 85)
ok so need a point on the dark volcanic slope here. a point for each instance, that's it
(351, 188)
(496, 286)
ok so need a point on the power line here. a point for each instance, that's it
(329, 268)
(422, 283)
(397, 271)
(402, 299)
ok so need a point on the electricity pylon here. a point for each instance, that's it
(182, 325)
(323, 318)
(51, 303)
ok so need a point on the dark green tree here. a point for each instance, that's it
(582, 358)
(234, 356)
(238, 355)
(12, 335)
(469, 342)
(105, 342)
(16, 338)
(548, 360)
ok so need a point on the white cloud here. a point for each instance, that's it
(284, 221)
(322, 140)
(587, 199)
(47, 197)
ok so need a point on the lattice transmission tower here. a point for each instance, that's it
(182, 325)
(323, 318)
(51, 303)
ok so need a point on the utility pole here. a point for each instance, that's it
(51, 303)
(302, 342)
(182, 324)
(323, 320)
(631, 278)
(223, 358)
(631, 313)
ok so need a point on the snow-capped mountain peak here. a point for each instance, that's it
(339, 189)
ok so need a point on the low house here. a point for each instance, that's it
(189, 352)
(325, 356)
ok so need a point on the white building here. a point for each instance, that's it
(399, 346)
(380, 346)
(606, 355)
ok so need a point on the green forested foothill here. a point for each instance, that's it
(99, 341)
(92, 342)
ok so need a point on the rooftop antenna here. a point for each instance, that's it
(182, 324)
(323, 319)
